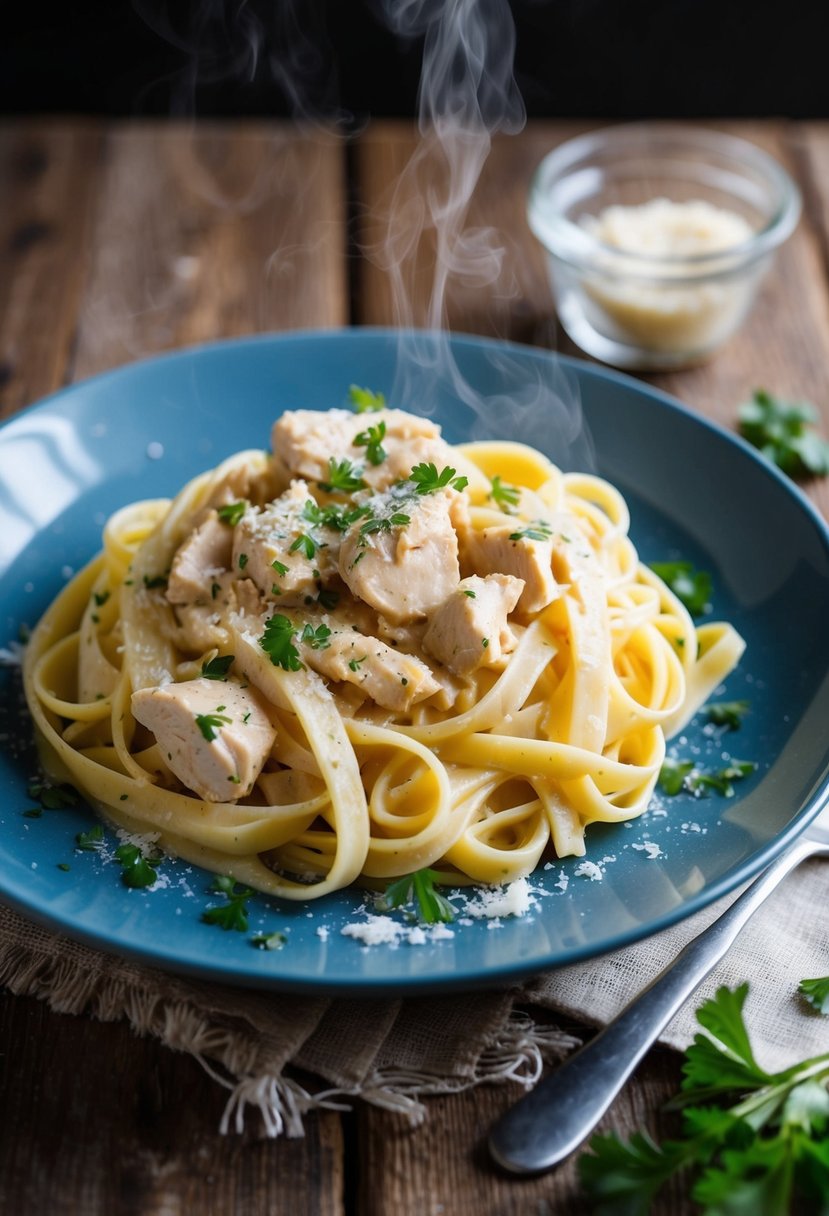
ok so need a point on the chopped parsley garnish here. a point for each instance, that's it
(234, 913)
(816, 992)
(280, 568)
(215, 588)
(243, 560)
(218, 667)
(485, 643)
(427, 479)
(333, 516)
(432, 907)
(152, 581)
(691, 587)
(784, 432)
(328, 598)
(268, 941)
(751, 1142)
(343, 476)
(397, 520)
(63, 866)
(372, 441)
(209, 724)
(727, 713)
(678, 776)
(100, 597)
(504, 495)
(137, 870)
(91, 841)
(364, 401)
(232, 512)
(52, 797)
(537, 530)
(317, 638)
(34, 812)
(470, 593)
(278, 643)
(306, 543)
(354, 664)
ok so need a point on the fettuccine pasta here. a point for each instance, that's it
(366, 654)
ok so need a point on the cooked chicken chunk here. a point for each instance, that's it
(394, 680)
(523, 550)
(469, 630)
(306, 441)
(214, 735)
(282, 550)
(403, 561)
(199, 559)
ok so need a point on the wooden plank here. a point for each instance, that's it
(444, 1166)
(49, 173)
(96, 1120)
(212, 231)
(516, 303)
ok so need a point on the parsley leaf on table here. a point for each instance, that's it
(784, 434)
(91, 841)
(691, 587)
(816, 993)
(234, 913)
(364, 401)
(420, 889)
(752, 1142)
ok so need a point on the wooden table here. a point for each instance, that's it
(124, 240)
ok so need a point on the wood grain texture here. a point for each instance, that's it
(97, 1122)
(209, 232)
(443, 1166)
(49, 175)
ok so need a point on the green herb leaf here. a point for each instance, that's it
(504, 495)
(218, 667)
(333, 515)
(268, 941)
(278, 643)
(678, 776)
(691, 587)
(816, 993)
(672, 775)
(210, 724)
(155, 580)
(432, 907)
(372, 441)
(762, 1149)
(317, 638)
(364, 401)
(397, 520)
(232, 512)
(137, 870)
(280, 568)
(91, 841)
(537, 530)
(234, 913)
(783, 432)
(427, 479)
(52, 797)
(306, 543)
(100, 597)
(328, 598)
(343, 476)
(727, 713)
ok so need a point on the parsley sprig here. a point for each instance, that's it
(691, 587)
(334, 515)
(383, 524)
(317, 638)
(343, 476)
(211, 724)
(418, 888)
(729, 714)
(504, 495)
(278, 643)
(364, 401)
(91, 841)
(372, 440)
(427, 479)
(233, 914)
(683, 776)
(138, 867)
(537, 530)
(751, 1141)
(784, 433)
(218, 667)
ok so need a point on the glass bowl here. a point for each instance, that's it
(657, 238)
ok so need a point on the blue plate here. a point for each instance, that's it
(694, 492)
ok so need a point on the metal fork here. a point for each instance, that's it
(552, 1121)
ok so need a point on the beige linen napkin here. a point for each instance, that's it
(396, 1053)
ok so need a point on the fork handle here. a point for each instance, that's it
(554, 1118)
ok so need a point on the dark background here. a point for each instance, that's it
(592, 58)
